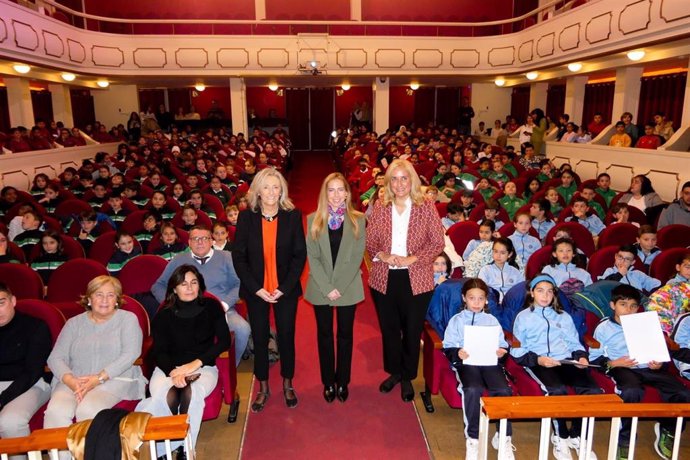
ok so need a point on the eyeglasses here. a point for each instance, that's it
(200, 239)
(627, 259)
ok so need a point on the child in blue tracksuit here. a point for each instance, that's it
(541, 221)
(474, 380)
(486, 231)
(631, 376)
(503, 273)
(583, 216)
(562, 267)
(681, 335)
(547, 335)
(646, 247)
(623, 271)
(525, 244)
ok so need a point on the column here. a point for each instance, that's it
(575, 98)
(685, 121)
(238, 106)
(260, 9)
(626, 96)
(19, 102)
(537, 96)
(355, 10)
(381, 105)
(62, 103)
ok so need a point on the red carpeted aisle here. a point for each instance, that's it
(370, 425)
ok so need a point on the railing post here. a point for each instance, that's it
(613, 437)
(633, 437)
(502, 428)
(676, 439)
(544, 438)
(590, 435)
(483, 434)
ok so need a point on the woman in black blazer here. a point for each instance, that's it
(269, 256)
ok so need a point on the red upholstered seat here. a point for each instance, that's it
(538, 261)
(71, 208)
(155, 243)
(442, 209)
(45, 311)
(604, 258)
(663, 266)
(509, 228)
(635, 216)
(104, 247)
(134, 222)
(583, 239)
(216, 206)
(71, 248)
(68, 282)
(618, 235)
(673, 236)
(462, 233)
(22, 280)
(203, 219)
(139, 274)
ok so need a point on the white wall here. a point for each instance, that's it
(113, 105)
(490, 103)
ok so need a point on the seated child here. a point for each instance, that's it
(547, 336)
(232, 213)
(621, 214)
(51, 198)
(624, 271)
(568, 186)
(503, 273)
(499, 173)
(196, 199)
(588, 194)
(217, 190)
(125, 249)
(158, 203)
(541, 221)
(476, 379)
(189, 217)
(604, 188)
(525, 244)
(179, 194)
(151, 222)
(454, 214)
(31, 232)
(486, 189)
(88, 230)
(99, 197)
(491, 213)
(467, 203)
(116, 212)
(631, 376)
(555, 202)
(681, 335)
(170, 244)
(442, 268)
(583, 216)
(533, 186)
(220, 237)
(132, 192)
(484, 167)
(545, 172)
(562, 266)
(673, 298)
(486, 231)
(52, 255)
(646, 247)
(510, 201)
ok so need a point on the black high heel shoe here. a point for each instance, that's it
(329, 393)
(291, 403)
(260, 401)
(343, 393)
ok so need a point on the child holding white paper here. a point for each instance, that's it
(547, 336)
(474, 380)
(631, 376)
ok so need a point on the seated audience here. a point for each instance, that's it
(641, 194)
(663, 127)
(624, 271)
(646, 247)
(650, 140)
(673, 299)
(597, 125)
(503, 272)
(525, 244)
(583, 216)
(562, 265)
(125, 249)
(677, 212)
(620, 138)
(50, 257)
(604, 188)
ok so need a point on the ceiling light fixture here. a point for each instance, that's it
(22, 68)
(200, 87)
(500, 81)
(636, 55)
(575, 66)
(414, 86)
(345, 86)
(68, 76)
(273, 87)
(103, 83)
(532, 75)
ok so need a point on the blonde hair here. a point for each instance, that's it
(97, 283)
(415, 184)
(318, 225)
(254, 197)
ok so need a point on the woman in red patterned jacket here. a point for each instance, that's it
(403, 238)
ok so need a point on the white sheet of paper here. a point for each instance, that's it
(644, 337)
(481, 343)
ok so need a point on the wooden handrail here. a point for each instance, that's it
(604, 406)
(157, 429)
(435, 338)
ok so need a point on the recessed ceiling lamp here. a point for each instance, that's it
(635, 55)
(21, 68)
(103, 83)
(68, 76)
(345, 86)
(575, 66)
(200, 87)
(500, 81)
(532, 75)
(414, 86)
(273, 87)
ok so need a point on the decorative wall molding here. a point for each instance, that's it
(594, 29)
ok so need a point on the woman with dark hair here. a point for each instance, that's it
(641, 194)
(541, 125)
(189, 332)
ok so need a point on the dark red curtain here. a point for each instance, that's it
(447, 106)
(519, 103)
(151, 97)
(662, 93)
(598, 98)
(42, 103)
(179, 97)
(424, 106)
(4, 111)
(83, 110)
(297, 111)
(555, 101)
(321, 101)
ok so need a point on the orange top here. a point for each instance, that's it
(270, 235)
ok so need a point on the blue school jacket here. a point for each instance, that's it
(525, 245)
(612, 346)
(634, 278)
(562, 272)
(500, 279)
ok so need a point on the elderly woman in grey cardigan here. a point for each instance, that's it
(93, 358)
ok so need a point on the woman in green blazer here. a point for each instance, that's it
(335, 248)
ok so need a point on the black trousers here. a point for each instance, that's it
(630, 386)
(554, 381)
(335, 371)
(285, 312)
(474, 380)
(401, 318)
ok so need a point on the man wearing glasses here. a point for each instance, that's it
(219, 275)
